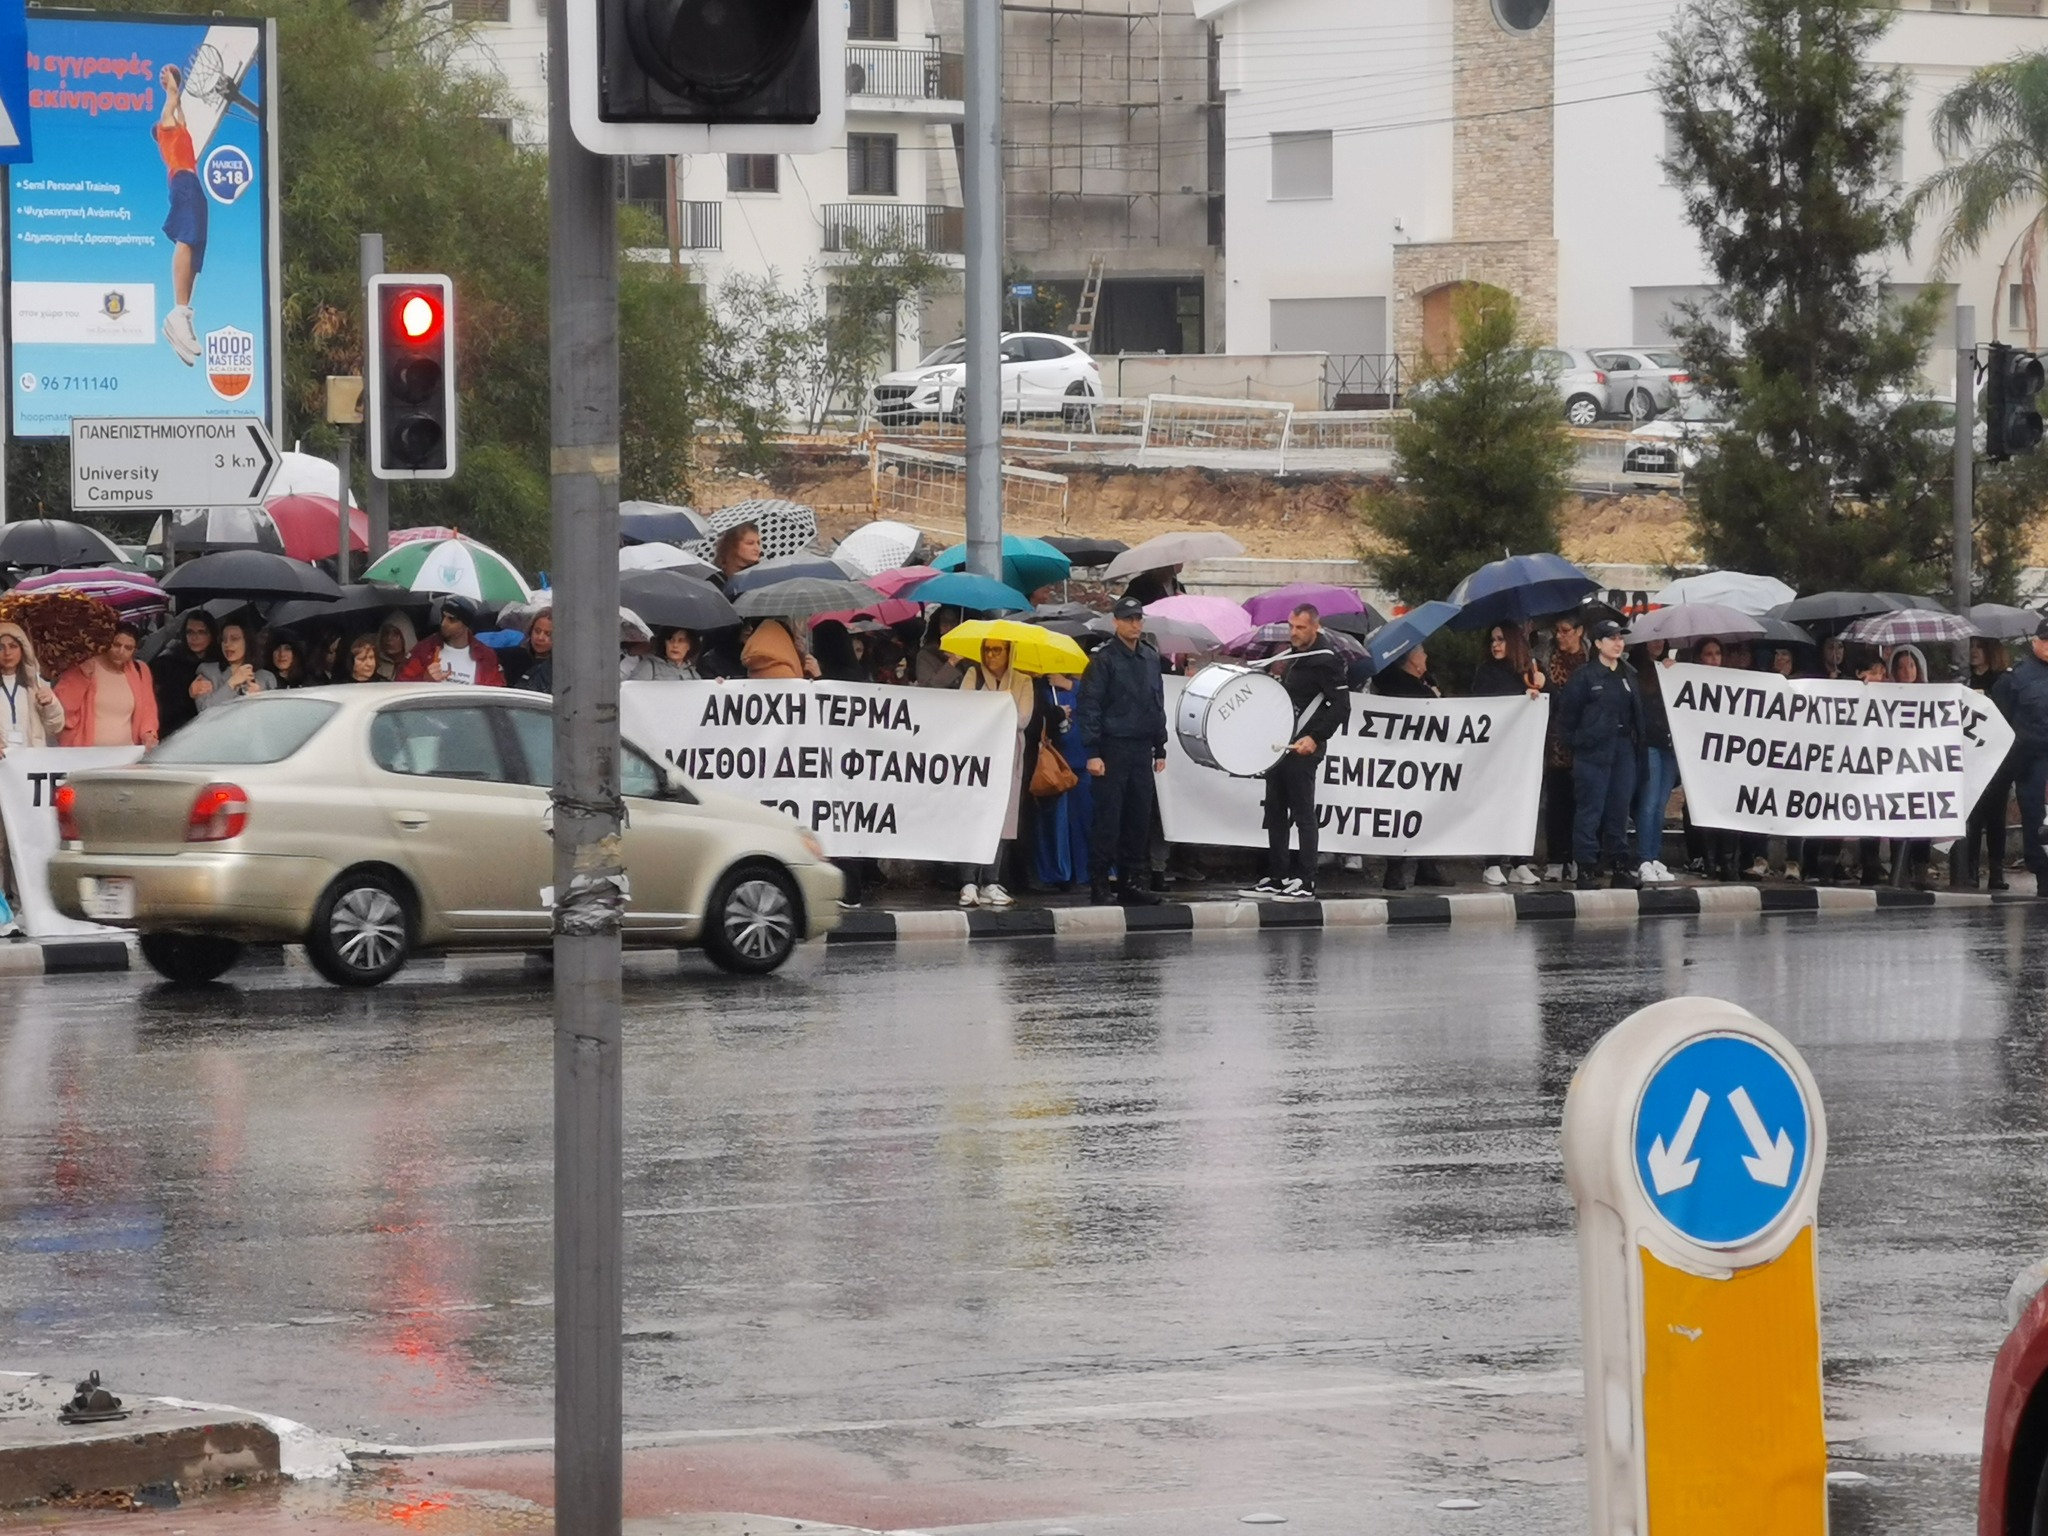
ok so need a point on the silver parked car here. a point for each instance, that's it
(1581, 383)
(1647, 382)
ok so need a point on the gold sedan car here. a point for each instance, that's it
(371, 823)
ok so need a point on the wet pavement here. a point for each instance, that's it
(1133, 1236)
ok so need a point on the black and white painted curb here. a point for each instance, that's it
(1479, 907)
(63, 957)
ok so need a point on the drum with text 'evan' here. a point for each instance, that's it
(1237, 720)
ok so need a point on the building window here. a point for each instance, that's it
(1521, 15)
(751, 173)
(501, 126)
(482, 10)
(1301, 165)
(871, 164)
(872, 21)
(2015, 7)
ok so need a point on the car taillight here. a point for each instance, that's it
(66, 802)
(1599, 378)
(1681, 378)
(219, 812)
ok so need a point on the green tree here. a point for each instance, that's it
(1480, 466)
(1992, 132)
(1828, 472)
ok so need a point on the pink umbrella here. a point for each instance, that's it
(432, 531)
(893, 583)
(130, 593)
(890, 610)
(1218, 615)
(307, 524)
(1275, 606)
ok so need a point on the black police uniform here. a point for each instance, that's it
(1600, 713)
(1120, 710)
(2023, 694)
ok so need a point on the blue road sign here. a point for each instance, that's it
(1023, 290)
(1723, 1136)
(16, 145)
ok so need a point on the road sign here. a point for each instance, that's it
(158, 463)
(15, 145)
(1023, 290)
(1721, 1138)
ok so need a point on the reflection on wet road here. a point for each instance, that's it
(1161, 1223)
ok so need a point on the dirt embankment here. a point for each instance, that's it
(1293, 518)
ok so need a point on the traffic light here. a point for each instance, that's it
(409, 379)
(673, 77)
(2012, 409)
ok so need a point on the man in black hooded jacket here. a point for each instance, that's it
(1313, 675)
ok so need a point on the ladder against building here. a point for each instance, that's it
(1083, 328)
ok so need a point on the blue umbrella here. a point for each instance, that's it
(652, 522)
(1396, 637)
(961, 589)
(1028, 564)
(1519, 588)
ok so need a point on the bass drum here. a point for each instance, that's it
(1237, 720)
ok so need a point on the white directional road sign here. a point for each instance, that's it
(159, 463)
(1721, 1138)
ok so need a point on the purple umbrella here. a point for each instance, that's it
(1274, 607)
(128, 592)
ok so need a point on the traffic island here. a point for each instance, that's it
(159, 1452)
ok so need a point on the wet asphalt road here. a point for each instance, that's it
(1145, 1234)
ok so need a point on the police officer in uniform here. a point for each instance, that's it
(1120, 710)
(1600, 717)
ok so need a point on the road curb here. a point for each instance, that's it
(1460, 910)
(64, 957)
(161, 1443)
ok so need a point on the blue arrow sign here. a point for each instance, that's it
(1722, 1139)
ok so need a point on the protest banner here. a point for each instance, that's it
(1428, 778)
(876, 772)
(29, 777)
(1807, 758)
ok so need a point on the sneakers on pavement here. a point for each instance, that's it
(1493, 874)
(1648, 873)
(1664, 875)
(1297, 890)
(969, 896)
(1523, 874)
(1266, 890)
(1553, 871)
(995, 896)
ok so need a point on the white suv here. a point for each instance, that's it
(1043, 375)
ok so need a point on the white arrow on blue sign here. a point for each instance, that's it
(1722, 1139)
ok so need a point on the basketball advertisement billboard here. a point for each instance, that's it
(143, 236)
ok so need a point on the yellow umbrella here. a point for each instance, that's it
(1033, 649)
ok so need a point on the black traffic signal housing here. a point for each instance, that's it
(2012, 407)
(667, 77)
(409, 377)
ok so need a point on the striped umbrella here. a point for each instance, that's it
(458, 565)
(127, 592)
(1909, 626)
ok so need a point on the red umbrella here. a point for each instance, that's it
(307, 525)
(890, 610)
(894, 583)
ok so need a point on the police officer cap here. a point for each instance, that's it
(1131, 608)
(1605, 628)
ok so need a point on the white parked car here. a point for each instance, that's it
(1043, 375)
(1581, 383)
(1646, 381)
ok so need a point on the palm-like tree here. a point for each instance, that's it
(1992, 130)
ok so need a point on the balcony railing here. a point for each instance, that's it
(698, 223)
(905, 74)
(923, 226)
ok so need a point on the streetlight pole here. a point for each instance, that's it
(982, 182)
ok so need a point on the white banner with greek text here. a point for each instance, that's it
(1428, 778)
(29, 777)
(1804, 758)
(876, 772)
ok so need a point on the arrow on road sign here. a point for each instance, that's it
(1673, 1168)
(1772, 1163)
(260, 439)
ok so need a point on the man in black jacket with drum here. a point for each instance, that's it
(1120, 709)
(1313, 676)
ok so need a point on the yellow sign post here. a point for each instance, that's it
(1694, 1143)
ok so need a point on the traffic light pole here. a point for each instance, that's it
(982, 182)
(589, 895)
(1965, 450)
(376, 492)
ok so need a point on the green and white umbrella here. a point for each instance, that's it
(457, 565)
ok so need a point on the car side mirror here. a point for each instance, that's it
(675, 787)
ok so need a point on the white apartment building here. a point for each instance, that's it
(1380, 153)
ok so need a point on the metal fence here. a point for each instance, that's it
(930, 227)
(905, 74)
(699, 225)
(929, 490)
(1363, 381)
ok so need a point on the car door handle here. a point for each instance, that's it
(412, 821)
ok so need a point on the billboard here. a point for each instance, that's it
(142, 239)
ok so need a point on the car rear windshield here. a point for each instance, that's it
(246, 731)
(1667, 359)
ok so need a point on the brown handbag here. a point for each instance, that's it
(1054, 775)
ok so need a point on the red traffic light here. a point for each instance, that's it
(419, 316)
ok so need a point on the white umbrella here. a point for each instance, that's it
(306, 474)
(1695, 621)
(1172, 549)
(786, 527)
(1756, 595)
(878, 547)
(661, 557)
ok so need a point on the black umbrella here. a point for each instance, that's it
(357, 599)
(671, 600)
(1836, 607)
(251, 573)
(51, 544)
(654, 522)
(1089, 551)
(1358, 624)
(219, 609)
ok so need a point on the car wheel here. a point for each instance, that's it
(752, 925)
(1078, 417)
(189, 959)
(362, 930)
(1582, 410)
(1642, 407)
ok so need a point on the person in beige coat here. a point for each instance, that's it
(30, 715)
